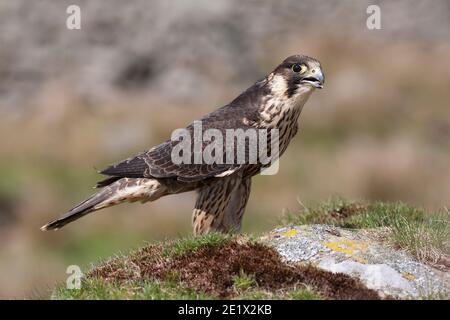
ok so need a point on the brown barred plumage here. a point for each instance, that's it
(223, 189)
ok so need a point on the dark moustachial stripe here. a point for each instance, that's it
(292, 87)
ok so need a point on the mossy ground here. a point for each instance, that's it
(210, 267)
(217, 266)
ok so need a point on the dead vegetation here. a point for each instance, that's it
(223, 266)
(227, 269)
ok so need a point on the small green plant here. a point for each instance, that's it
(243, 281)
(304, 293)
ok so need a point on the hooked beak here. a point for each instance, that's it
(315, 78)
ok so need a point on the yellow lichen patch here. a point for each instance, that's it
(289, 233)
(347, 246)
(360, 259)
(408, 276)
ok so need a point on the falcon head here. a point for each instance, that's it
(299, 73)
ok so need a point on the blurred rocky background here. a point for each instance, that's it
(75, 100)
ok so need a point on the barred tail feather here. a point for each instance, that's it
(123, 190)
(76, 212)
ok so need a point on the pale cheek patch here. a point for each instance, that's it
(278, 85)
(279, 88)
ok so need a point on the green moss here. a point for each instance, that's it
(192, 243)
(295, 294)
(255, 294)
(304, 294)
(95, 289)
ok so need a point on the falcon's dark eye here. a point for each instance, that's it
(299, 68)
(296, 68)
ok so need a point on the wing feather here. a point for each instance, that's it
(157, 162)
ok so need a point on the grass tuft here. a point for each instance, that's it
(97, 289)
(192, 243)
(305, 293)
(243, 281)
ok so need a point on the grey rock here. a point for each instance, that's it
(389, 271)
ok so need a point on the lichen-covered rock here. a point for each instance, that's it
(390, 272)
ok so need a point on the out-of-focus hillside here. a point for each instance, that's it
(72, 101)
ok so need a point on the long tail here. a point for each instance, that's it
(122, 190)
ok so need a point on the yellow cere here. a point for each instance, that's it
(303, 68)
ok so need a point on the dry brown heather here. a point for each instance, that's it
(211, 270)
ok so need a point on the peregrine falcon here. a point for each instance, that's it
(274, 102)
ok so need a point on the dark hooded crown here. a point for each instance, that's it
(295, 59)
